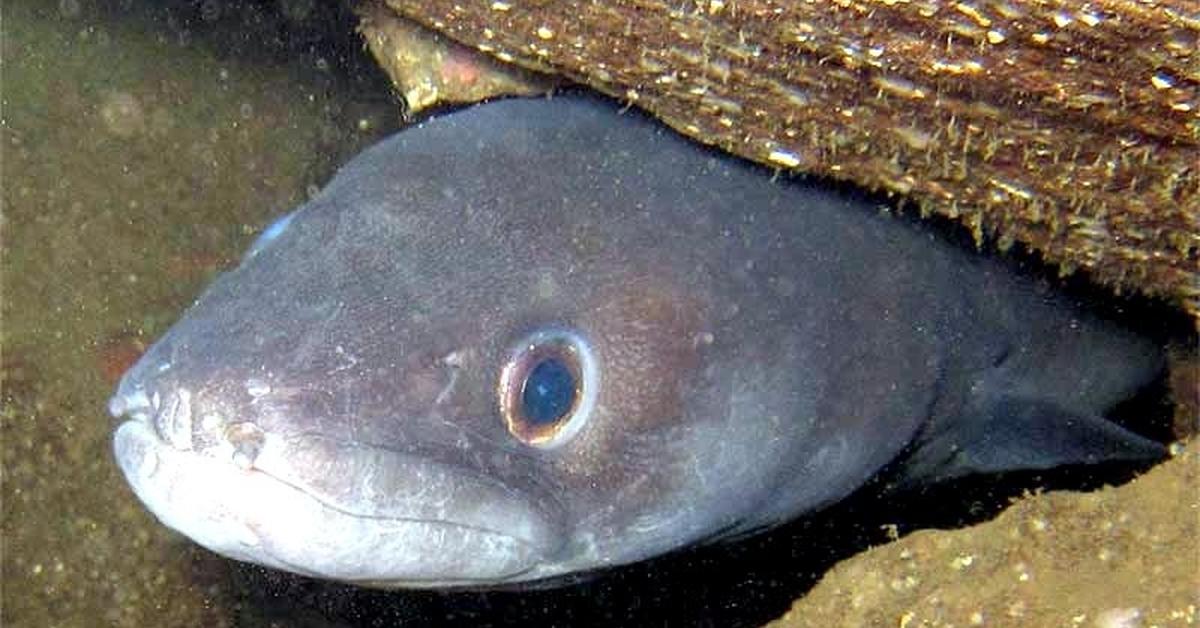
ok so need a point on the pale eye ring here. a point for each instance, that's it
(548, 387)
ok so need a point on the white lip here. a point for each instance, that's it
(445, 527)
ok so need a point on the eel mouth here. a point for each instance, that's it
(325, 508)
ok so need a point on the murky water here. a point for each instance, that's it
(142, 149)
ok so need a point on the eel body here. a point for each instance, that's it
(540, 337)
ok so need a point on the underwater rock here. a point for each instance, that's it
(1065, 126)
(1057, 559)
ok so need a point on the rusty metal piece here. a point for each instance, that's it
(429, 69)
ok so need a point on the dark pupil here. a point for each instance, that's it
(549, 392)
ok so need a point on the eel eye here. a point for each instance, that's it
(548, 387)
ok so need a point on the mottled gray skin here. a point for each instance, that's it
(764, 347)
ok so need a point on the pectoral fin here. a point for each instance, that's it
(1014, 434)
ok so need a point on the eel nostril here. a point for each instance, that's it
(247, 440)
(135, 403)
